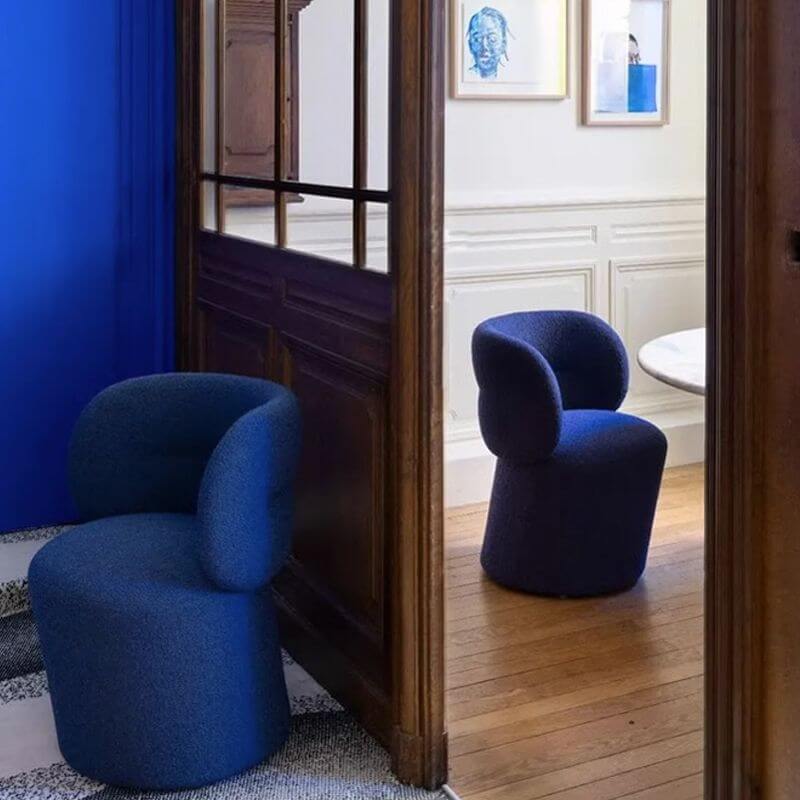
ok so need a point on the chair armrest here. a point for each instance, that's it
(246, 499)
(519, 404)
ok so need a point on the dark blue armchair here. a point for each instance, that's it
(576, 482)
(159, 638)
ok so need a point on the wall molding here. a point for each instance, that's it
(585, 269)
(649, 231)
(490, 239)
(516, 205)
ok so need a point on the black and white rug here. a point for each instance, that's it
(327, 757)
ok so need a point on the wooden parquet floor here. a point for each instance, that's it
(597, 699)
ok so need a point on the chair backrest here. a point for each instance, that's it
(223, 446)
(531, 366)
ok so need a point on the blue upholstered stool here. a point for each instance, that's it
(577, 482)
(159, 640)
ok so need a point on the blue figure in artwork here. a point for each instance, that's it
(642, 80)
(487, 38)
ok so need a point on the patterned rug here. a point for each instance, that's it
(327, 757)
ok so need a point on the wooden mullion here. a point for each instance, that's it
(416, 214)
(281, 121)
(219, 70)
(298, 187)
(360, 127)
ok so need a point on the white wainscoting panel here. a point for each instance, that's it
(639, 264)
(472, 296)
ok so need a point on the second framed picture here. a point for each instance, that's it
(509, 49)
(626, 48)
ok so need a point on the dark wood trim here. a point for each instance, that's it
(220, 100)
(188, 142)
(732, 591)
(360, 126)
(281, 121)
(733, 663)
(416, 220)
(320, 189)
(753, 513)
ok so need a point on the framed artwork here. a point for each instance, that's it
(626, 49)
(509, 49)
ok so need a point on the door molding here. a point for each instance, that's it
(732, 564)
(419, 741)
(753, 513)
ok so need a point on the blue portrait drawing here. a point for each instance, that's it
(487, 39)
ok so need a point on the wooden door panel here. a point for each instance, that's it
(249, 104)
(248, 131)
(235, 345)
(342, 482)
(324, 330)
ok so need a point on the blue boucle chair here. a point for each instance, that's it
(576, 482)
(159, 638)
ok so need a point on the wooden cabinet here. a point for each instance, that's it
(248, 113)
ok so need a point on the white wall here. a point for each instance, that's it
(541, 213)
(508, 151)
(538, 150)
(326, 92)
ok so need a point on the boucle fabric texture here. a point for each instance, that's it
(576, 482)
(327, 756)
(183, 484)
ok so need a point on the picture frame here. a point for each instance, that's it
(509, 49)
(626, 62)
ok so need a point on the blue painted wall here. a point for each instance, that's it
(86, 207)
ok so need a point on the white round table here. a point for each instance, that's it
(678, 359)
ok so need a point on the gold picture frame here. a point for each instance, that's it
(618, 74)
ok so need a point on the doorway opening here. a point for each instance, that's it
(582, 192)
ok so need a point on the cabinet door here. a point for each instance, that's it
(248, 135)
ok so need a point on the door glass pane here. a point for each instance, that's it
(378, 237)
(208, 193)
(248, 123)
(249, 214)
(322, 226)
(378, 127)
(325, 80)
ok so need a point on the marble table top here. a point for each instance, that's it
(678, 359)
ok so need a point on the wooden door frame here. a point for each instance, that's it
(753, 519)
(419, 746)
(730, 602)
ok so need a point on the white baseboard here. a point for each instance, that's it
(468, 472)
(469, 466)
